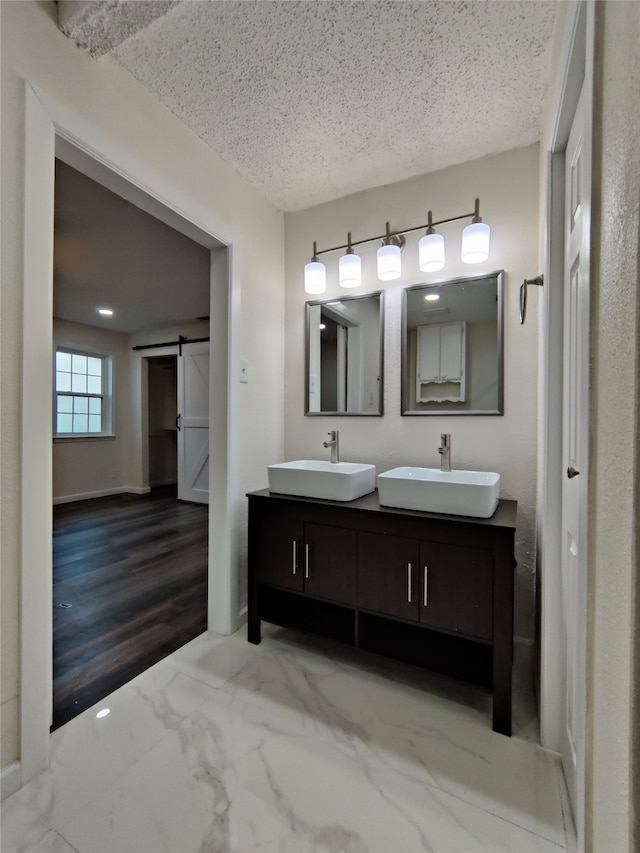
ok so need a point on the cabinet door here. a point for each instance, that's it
(428, 353)
(388, 579)
(451, 351)
(329, 562)
(457, 589)
(277, 551)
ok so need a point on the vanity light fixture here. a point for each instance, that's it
(431, 254)
(431, 250)
(389, 256)
(315, 274)
(350, 267)
(475, 239)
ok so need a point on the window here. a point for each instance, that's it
(81, 393)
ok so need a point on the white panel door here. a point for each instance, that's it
(193, 423)
(575, 458)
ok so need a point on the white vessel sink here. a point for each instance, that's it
(334, 481)
(474, 493)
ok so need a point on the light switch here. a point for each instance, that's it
(244, 370)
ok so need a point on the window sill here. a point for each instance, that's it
(63, 439)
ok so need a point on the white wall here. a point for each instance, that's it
(614, 515)
(115, 106)
(507, 186)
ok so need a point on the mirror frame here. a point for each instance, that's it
(405, 397)
(308, 306)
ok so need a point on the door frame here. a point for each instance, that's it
(51, 130)
(575, 69)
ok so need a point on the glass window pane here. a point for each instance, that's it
(65, 404)
(80, 423)
(94, 366)
(63, 381)
(94, 385)
(80, 405)
(63, 361)
(95, 423)
(95, 406)
(79, 363)
(79, 383)
(64, 423)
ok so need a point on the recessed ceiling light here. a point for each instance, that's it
(104, 712)
(432, 297)
(105, 312)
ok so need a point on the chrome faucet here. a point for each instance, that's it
(445, 452)
(333, 444)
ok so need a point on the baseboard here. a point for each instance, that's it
(10, 779)
(102, 493)
(171, 482)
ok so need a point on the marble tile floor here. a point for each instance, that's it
(297, 744)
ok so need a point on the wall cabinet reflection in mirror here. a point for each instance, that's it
(344, 356)
(452, 347)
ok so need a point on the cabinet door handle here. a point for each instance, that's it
(409, 583)
(295, 544)
(426, 585)
(306, 560)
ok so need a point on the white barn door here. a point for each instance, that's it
(193, 423)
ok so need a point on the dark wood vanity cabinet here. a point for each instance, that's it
(312, 558)
(457, 589)
(433, 590)
(388, 575)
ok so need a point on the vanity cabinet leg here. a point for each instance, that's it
(502, 666)
(503, 637)
(254, 634)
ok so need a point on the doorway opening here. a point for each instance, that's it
(53, 130)
(162, 420)
(130, 491)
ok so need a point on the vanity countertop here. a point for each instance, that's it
(504, 516)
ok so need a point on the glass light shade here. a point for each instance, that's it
(315, 277)
(475, 243)
(431, 252)
(350, 270)
(389, 263)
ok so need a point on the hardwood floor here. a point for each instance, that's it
(134, 570)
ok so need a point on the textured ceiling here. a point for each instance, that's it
(314, 100)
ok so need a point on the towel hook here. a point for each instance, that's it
(539, 281)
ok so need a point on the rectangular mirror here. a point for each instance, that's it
(452, 347)
(344, 356)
